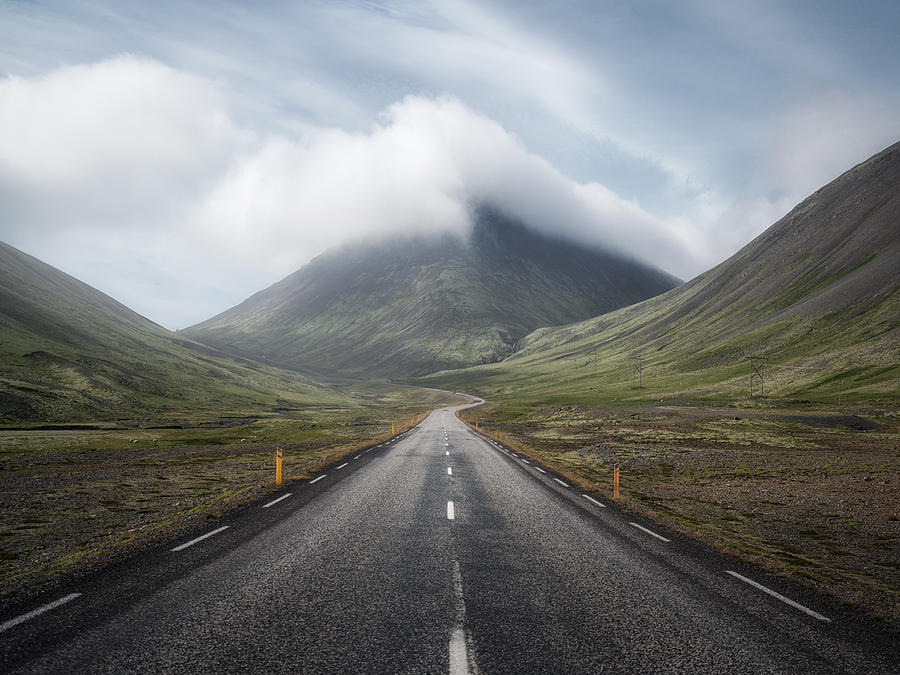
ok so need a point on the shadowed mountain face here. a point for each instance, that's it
(69, 352)
(415, 305)
(818, 293)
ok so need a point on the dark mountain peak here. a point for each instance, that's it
(413, 304)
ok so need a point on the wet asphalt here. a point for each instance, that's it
(364, 571)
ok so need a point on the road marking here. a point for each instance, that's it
(526, 461)
(594, 501)
(449, 471)
(22, 618)
(357, 457)
(650, 532)
(200, 538)
(316, 480)
(561, 483)
(779, 596)
(447, 452)
(450, 512)
(275, 501)
(447, 444)
(540, 469)
(459, 658)
(342, 465)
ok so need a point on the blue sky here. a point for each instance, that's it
(183, 156)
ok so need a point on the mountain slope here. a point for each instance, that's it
(818, 294)
(416, 305)
(69, 352)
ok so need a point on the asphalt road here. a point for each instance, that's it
(438, 552)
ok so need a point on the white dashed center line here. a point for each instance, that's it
(316, 480)
(779, 596)
(459, 658)
(451, 515)
(275, 501)
(650, 532)
(540, 469)
(22, 618)
(561, 483)
(357, 457)
(447, 452)
(594, 501)
(526, 461)
(200, 538)
(342, 465)
(449, 471)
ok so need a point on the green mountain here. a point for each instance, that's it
(817, 295)
(414, 305)
(68, 352)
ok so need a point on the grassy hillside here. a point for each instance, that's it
(817, 294)
(68, 353)
(416, 305)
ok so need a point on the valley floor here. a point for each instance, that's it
(811, 493)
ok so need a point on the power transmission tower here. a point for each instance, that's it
(758, 372)
(637, 370)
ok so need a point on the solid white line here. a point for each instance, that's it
(540, 469)
(200, 538)
(275, 501)
(450, 512)
(594, 501)
(561, 483)
(342, 465)
(316, 480)
(449, 471)
(650, 532)
(6, 625)
(779, 596)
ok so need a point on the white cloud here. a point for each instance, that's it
(421, 168)
(146, 166)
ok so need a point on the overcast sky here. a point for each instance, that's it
(182, 156)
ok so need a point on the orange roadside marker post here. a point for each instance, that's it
(279, 453)
(616, 481)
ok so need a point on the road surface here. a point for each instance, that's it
(438, 552)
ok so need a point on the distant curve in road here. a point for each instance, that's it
(439, 551)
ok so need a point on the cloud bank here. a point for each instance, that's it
(149, 168)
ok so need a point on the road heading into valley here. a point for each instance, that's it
(439, 551)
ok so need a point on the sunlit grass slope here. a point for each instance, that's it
(68, 352)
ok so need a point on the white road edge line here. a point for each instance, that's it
(561, 483)
(22, 618)
(275, 501)
(316, 480)
(342, 465)
(451, 515)
(594, 501)
(650, 532)
(449, 470)
(779, 596)
(200, 538)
